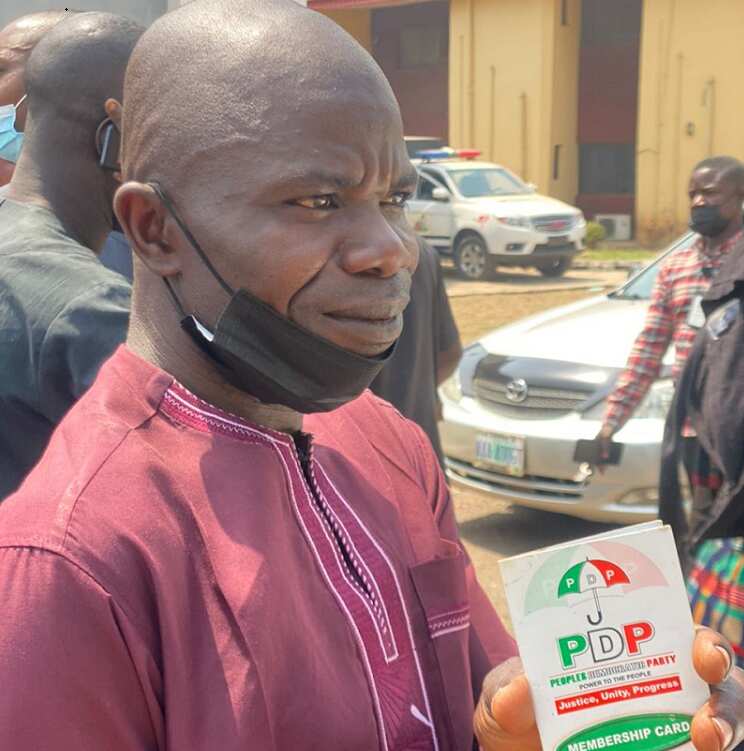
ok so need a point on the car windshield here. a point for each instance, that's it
(640, 286)
(480, 183)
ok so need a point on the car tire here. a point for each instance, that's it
(472, 260)
(555, 268)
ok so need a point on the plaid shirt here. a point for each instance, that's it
(680, 281)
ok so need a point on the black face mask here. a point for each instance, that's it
(707, 221)
(268, 356)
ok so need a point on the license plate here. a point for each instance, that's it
(558, 240)
(502, 452)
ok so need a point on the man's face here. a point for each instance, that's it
(311, 221)
(710, 187)
(15, 48)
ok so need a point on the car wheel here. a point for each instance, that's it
(471, 258)
(555, 268)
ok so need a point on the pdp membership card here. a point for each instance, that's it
(605, 634)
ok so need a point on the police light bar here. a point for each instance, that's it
(430, 155)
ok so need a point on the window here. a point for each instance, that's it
(478, 183)
(607, 168)
(556, 162)
(422, 46)
(426, 188)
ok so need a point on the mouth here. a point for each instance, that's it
(368, 332)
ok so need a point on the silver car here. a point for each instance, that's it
(526, 393)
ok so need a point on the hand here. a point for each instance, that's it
(505, 719)
(604, 441)
(719, 725)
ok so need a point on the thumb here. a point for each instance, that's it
(511, 707)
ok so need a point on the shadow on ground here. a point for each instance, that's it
(524, 529)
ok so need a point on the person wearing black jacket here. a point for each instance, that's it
(710, 395)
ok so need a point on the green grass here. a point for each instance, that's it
(618, 254)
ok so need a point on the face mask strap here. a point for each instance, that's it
(21, 101)
(192, 240)
(177, 302)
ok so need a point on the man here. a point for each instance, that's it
(17, 40)
(711, 538)
(716, 193)
(427, 353)
(194, 564)
(61, 312)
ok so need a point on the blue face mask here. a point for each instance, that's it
(10, 139)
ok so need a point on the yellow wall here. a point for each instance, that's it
(691, 103)
(514, 86)
(357, 22)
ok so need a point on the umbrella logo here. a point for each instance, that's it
(591, 575)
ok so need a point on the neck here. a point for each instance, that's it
(77, 195)
(713, 243)
(171, 349)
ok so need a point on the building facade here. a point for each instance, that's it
(601, 103)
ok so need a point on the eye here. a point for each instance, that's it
(399, 199)
(318, 203)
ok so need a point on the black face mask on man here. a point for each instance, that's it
(270, 357)
(707, 220)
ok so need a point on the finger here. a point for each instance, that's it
(712, 656)
(710, 732)
(492, 737)
(714, 727)
(512, 708)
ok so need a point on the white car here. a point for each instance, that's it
(484, 216)
(526, 393)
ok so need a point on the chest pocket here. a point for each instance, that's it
(441, 588)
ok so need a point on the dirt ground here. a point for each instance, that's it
(476, 315)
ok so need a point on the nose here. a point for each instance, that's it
(374, 247)
(698, 199)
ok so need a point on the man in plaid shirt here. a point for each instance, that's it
(716, 193)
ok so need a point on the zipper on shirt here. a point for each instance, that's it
(304, 448)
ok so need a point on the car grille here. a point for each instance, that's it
(548, 248)
(530, 486)
(553, 224)
(547, 388)
(541, 403)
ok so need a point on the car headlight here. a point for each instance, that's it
(658, 400)
(514, 221)
(460, 383)
(451, 389)
(579, 220)
(654, 405)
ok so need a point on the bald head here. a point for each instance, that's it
(77, 66)
(219, 72)
(17, 40)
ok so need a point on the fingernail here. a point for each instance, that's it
(726, 654)
(725, 732)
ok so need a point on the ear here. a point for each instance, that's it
(148, 228)
(113, 110)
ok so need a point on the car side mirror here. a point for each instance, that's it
(633, 269)
(440, 194)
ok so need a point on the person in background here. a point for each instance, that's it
(17, 39)
(427, 353)
(61, 312)
(716, 192)
(710, 398)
